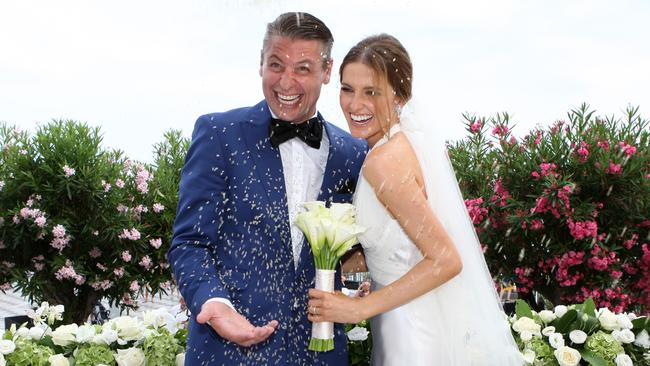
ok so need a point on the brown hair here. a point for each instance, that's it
(389, 60)
(300, 26)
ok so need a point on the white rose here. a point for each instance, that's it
(556, 340)
(85, 333)
(130, 357)
(567, 356)
(631, 316)
(608, 320)
(58, 360)
(65, 334)
(547, 316)
(2, 360)
(128, 328)
(577, 336)
(7, 346)
(642, 339)
(623, 321)
(623, 360)
(525, 323)
(526, 335)
(180, 359)
(560, 310)
(548, 330)
(36, 333)
(358, 334)
(107, 336)
(529, 356)
(623, 336)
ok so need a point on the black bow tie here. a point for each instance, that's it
(311, 132)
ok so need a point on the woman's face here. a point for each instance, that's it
(368, 102)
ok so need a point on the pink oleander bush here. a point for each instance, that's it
(564, 211)
(79, 222)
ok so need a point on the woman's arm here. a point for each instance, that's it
(393, 171)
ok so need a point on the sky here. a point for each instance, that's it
(139, 68)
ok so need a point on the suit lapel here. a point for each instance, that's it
(268, 165)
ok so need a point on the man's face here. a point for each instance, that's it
(292, 75)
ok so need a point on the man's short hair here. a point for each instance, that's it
(302, 26)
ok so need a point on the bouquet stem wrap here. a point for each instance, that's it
(330, 232)
(322, 333)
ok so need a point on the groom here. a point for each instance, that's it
(241, 265)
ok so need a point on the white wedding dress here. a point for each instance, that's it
(457, 324)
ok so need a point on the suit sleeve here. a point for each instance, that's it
(200, 205)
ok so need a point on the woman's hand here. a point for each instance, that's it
(333, 307)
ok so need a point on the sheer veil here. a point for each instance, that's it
(472, 316)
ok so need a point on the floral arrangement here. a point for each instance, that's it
(159, 338)
(79, 223)
(581, 335)
(331, 232)
(564, 210)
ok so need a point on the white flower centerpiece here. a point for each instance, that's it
(580, 334)
(330, 232)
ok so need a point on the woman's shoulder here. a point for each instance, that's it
(393, 160)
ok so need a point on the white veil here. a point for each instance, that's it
(477, 329)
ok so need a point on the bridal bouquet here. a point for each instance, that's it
(581, 335)
(330, 232)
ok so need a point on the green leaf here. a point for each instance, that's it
(592, 359)
(641, 322)
(562, 325)
(589, 307)
(523, 309)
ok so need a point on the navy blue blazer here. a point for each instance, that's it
(232, 237)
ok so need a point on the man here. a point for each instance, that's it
(242, 266)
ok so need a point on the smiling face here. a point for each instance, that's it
(292, 74)
(368, 102)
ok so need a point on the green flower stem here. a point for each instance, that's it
(321, 345)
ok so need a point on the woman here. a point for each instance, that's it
(433, 300)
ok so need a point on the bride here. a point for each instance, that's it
(433, 300)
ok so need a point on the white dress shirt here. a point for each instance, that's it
(303, 168)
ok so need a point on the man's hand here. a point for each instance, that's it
(230, 325)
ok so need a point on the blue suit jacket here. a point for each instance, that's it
(232, 237)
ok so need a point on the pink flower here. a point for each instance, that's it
(156, 243)
(536, 225)
(500, 130)
(102, 267)
(24, 212)
(60, 243)
(16, 220)
(58, 231)
(583, 152)
(122, 209)
(66, 272)
(40, 221)
(106, 186)
(145, 262)
(119, 183)
(95, 252)
(476, 212)
(132, 234)
(126, 256)
(476, 127)
(158, 208)
(613, 169)
(583, 229)
(134, 286)
(603, 144)
(69, 172)
(119, 272)
(39, 266)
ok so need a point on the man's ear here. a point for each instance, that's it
(328, 71)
